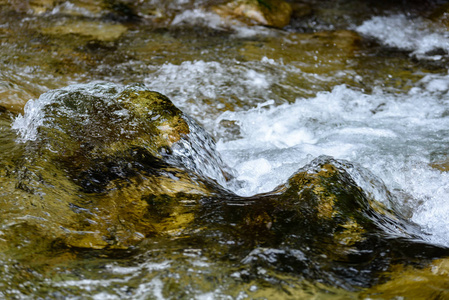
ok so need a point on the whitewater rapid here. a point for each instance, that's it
(396, 136)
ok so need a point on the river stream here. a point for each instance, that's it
(359, 89)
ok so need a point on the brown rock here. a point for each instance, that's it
(114, 144)
(92, 29)
(300, 10)
(273, 13)
(441, 165)
(413, 283)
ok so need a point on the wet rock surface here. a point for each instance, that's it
(275, 13)
(128, 144)
(98, 31)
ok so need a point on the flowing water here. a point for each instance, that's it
(354, 88)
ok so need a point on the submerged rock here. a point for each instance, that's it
(274, 13)
(100, 31)
(441, 15)
(413, 283)
(318, 53)
(300, 10)
(319, 220)
(41, 6)
(442, 165)
(74, 7)
(323, 53)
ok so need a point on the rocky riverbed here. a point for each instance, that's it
(223, 149)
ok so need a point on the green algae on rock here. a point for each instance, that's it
(410, 282)
(97, 121)
(442, 165)
(41, 6)
(319, 53)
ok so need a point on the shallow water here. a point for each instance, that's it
(370, 88)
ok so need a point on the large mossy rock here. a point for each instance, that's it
(96, 131)
(98, 159)
(273, 13)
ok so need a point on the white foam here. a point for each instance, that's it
(257, 80)
(435, 84)
(151, 289)
(394, 136)
(21, 122)
(199, 17)
(69, 8)
(412, 34)
(34, 116)
(191, 82)
(246, 171)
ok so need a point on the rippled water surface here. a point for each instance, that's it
(352, 90)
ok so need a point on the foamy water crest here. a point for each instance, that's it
(395, 137)
(34, 116)
(201, 17)
(194, 86)
(412, 34)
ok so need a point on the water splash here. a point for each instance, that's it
(204, 88)
(200, 17)
(396, 137)
(412, 34)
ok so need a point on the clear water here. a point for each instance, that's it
(385, 108)
(395, 135)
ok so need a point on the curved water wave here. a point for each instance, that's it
(96, 116)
